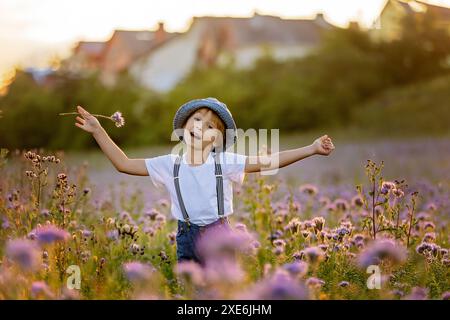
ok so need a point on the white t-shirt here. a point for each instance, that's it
(198, 184)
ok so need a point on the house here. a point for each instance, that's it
(388, 24)
(86, 57)
(126, 46)
(114, 56)
(226, 40)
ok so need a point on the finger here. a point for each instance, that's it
(80, 109)
(80, 119)
(79, 125)
(83, 112)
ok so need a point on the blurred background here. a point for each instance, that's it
(374, 75)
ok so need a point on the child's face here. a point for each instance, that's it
(202, 128)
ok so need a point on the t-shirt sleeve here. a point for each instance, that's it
(159, 169)
(234, 166)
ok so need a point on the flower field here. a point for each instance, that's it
(380, 239)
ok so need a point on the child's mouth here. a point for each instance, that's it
(195, 136)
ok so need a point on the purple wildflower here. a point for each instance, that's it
(387, 186)
(296, 268)
(160, 218)
(298, 255)
(417, 293)
(314, 254)
(380, 250)
(314, 282)
(112, 234)
(278, 250)
(221, 241)
(5, 223)
(422, 216)
(45, 213)
(280, 286)
(137, 271)
(429, 225)
(223, 270)
(319, 222)
(50, 233)
(294, 225)
(429, 237)
(118, 119)
(398, 293)
(40, 288)
(164, 203)
(191, 271)
(308, 189)
(357, 201)
(149, 230)
(86, 233)
(341, 204)
(309, 224)
(323, 201)
(24, 253)
(359, 238)
(397, 192)
(152, 214)
(279, 243)
(172, 237)
(241, 227)
(125, 215)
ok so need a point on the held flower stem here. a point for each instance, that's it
(76, 113)
(116, 117)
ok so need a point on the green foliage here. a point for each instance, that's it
(414, 109)
(349, 80)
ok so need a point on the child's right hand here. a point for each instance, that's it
(87, 121)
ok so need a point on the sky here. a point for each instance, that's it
(34, 31)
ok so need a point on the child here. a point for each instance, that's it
(200, 180)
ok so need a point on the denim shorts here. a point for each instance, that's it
(187, 237)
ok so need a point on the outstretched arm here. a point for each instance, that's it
(118, 158)
(323, 146)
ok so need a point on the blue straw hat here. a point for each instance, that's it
(215, 105)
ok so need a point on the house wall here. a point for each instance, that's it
(247, 56)
(115, 60)
(170, 63)
(388, 25)
(389, 22)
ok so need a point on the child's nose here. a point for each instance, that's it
(198, 125)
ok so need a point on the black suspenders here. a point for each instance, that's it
(219, 186)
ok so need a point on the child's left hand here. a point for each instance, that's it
(323, 145)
